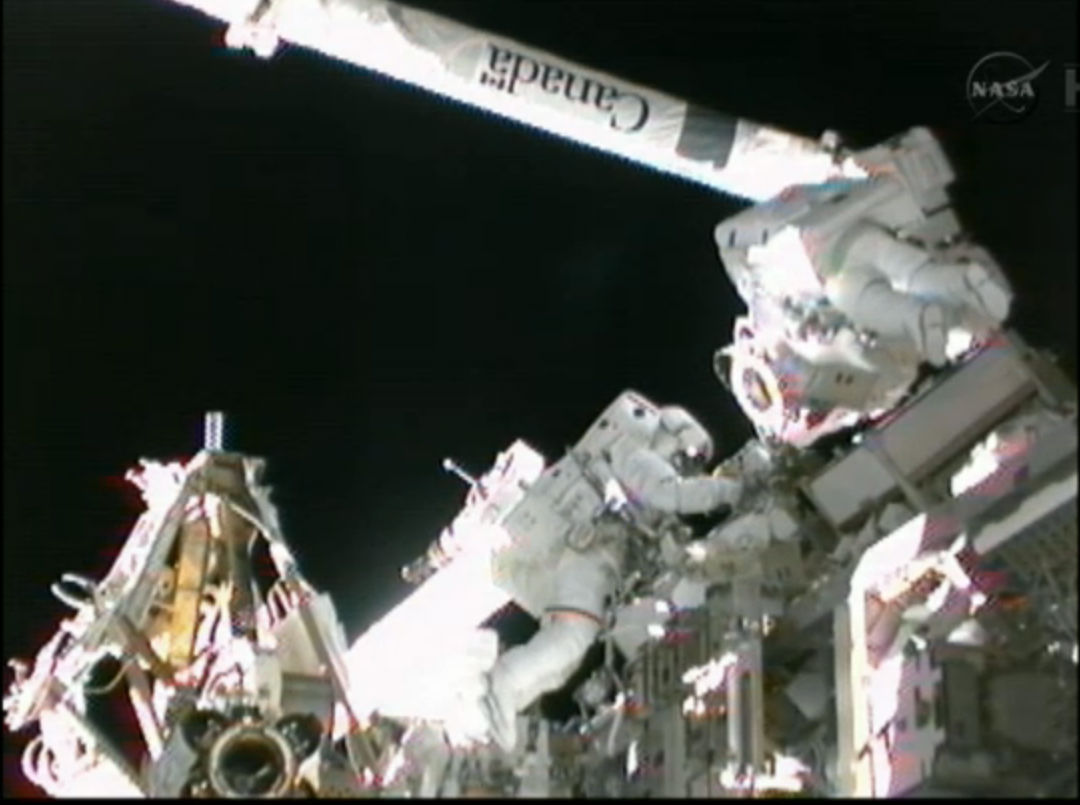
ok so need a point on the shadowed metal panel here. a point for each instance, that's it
(930, 431)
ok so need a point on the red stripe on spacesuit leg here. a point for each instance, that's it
(581, 613)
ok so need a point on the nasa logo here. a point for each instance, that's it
(1000, 87)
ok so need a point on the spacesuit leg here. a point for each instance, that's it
(867, 297)
(432, 755)
(546, 662)
(969, 287)
(542, 665)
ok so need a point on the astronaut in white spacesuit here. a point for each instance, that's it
(895, 287)
(886, 251)
(850, 285)
(638, 466)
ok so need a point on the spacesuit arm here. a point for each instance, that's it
(653, 482)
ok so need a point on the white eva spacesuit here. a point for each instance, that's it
(631, 471)
(852, 283)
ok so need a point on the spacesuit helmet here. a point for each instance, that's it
(681, 440)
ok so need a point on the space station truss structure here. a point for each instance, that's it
(906, 627)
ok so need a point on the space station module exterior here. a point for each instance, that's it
(627, 479)
(850, 285)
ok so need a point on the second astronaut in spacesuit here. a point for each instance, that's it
(885, 251)
(636, 468)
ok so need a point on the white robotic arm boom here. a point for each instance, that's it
(538, 89)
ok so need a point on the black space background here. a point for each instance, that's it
(366, 278)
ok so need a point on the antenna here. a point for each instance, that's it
(214, 431)
(450, 465)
